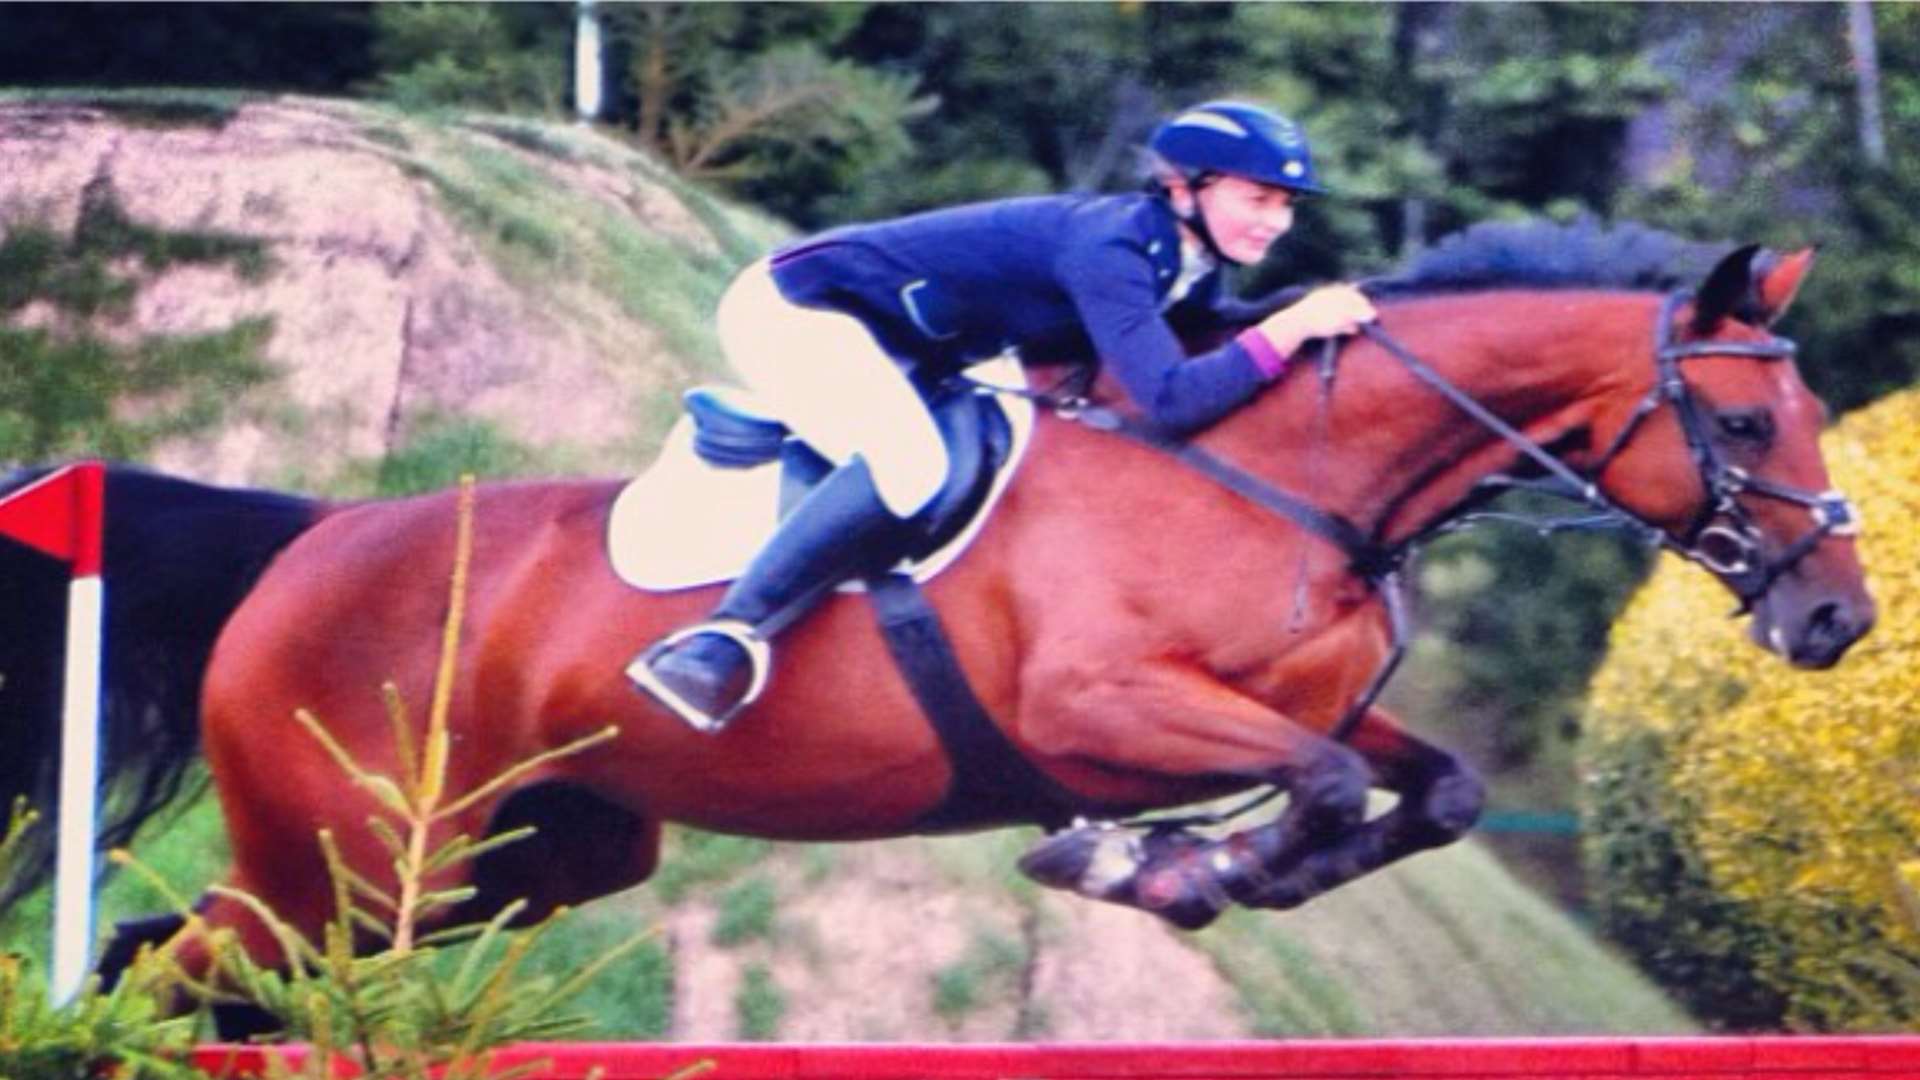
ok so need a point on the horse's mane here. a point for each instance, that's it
(1545, 255)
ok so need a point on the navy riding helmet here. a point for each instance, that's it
(1239, 139)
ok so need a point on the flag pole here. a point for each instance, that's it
(73, 913)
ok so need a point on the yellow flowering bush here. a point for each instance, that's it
(1747, 821)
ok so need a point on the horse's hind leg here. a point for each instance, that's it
(128, 939)
(1440, 799)
(584, 846)
(232, 1021)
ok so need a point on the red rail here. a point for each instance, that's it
(1768, 1058)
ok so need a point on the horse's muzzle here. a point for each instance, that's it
(1815, 635)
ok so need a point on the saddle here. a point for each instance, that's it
(730, 470)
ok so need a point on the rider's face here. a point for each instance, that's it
(1245, 216)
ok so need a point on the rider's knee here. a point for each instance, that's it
(908, 474)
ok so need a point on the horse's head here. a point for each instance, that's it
(1722, 454)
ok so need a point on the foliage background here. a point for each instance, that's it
(1748, 821)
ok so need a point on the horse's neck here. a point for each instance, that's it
(1391, 454)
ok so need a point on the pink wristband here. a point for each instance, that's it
(1265, 356)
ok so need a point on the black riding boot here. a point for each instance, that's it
(709, 671)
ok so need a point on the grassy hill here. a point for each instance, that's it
(509, 239)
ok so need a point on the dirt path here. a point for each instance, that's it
(882, 946)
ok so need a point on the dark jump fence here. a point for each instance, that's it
(1718, 1058)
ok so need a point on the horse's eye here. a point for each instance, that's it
(1748, 426)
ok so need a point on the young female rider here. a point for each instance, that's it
(837, 332)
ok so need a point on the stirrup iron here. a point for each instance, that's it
(759, 659)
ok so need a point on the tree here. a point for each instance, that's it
(755, 97)
(479, 56)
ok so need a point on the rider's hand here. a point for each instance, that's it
(1330, 311)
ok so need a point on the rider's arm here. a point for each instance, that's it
(1236, 311)
(1285, 319)
(1111, 283)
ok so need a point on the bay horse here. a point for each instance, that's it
(1144, 636)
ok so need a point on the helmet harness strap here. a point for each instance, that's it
(1197, 219)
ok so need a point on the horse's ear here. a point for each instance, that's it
(1753, 284)
(1726, 290)
(1778, 283)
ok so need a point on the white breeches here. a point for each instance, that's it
(828, 379)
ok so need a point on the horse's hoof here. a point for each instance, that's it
(1092, 860)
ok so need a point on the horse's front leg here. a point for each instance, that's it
(1175, 720)
(1440, 799)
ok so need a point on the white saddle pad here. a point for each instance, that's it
(685, 523)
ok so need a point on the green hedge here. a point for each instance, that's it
(1747, 822)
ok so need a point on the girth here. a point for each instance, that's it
(993, 783)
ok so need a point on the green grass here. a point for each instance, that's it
(1453, 918)
(186, 845)
(991, 969)
(1283, 988)
(633, 999)
(153, 107)
(552, 241)
(61, 394)
(694, 860)
(1567, 979)
(443, 450)
(746, 912)
(546, 237)
(64, 387)
(530, 135)
(759, 1006)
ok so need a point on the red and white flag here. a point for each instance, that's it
(63, 514)
(60, 514)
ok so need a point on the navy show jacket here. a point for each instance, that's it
(1059, 277)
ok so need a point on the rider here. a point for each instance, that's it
(839, 331)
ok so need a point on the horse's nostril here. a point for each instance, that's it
(1829, 629)
(1825, 619)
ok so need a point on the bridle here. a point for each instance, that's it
(1722, 537)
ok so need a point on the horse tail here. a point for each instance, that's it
(179, 557)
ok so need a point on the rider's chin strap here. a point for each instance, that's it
(1197, 221)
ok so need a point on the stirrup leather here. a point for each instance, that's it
(759, 658)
